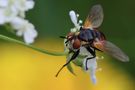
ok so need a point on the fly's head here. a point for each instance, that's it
(72, 41)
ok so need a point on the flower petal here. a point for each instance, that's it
(3, 3)
(17, 23)
(29, 4)
(91, 65)
(9, 14)
(19, 32)
(84, 52)
(29, 36)
(73, 17)
(31, 30)
(2, 17)
(92, 75)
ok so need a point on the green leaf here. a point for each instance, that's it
(79, 61)
(69, 67)
(32, 47)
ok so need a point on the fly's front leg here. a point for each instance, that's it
(72, 58)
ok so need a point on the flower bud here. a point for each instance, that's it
(73, 17)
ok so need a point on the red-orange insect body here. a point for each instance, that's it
(76, 43)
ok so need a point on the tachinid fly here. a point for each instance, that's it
(91, 38)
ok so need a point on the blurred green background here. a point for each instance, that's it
(51, 20)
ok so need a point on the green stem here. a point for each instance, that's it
(32, 47)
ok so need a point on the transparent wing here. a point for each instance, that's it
(112, 50)
(95, 17)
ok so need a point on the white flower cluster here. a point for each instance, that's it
(13, 13)
(74, 19)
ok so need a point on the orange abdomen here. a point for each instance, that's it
(76, 43)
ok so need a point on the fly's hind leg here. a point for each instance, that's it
(86, 63)
(93, 53)
(91, 64)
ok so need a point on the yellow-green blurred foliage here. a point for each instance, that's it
(25, 69)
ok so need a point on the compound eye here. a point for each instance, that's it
(70, 35)
(76, 44)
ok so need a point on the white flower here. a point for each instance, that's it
(74, 19)
(25, 29)
(3, 3)
(91, 65)
(13, 12)
(22, 6)
(9, 9)
(2, 17)
(6, 16)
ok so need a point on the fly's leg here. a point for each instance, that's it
(93, 52)
(93, 55)
(86, 66)
(72, 58)
(93, 65)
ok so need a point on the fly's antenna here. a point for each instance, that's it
(63, 37)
